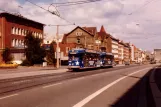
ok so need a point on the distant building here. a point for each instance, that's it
(13, 29)
(81, 37)
(121, 52)
(110, 43)
(132, 52)
(127, 52)
(157, 55)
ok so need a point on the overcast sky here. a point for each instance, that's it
(134, 21)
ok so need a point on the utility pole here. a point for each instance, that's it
(57, 47)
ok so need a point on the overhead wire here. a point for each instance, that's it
(77, 3)
(49, 11)
(141, 7)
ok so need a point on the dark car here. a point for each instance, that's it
(127, 63)
(153, 62)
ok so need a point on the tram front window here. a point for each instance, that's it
(74, 57)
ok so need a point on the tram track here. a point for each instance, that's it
(22, 83)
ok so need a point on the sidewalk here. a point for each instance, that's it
(32, 71)
(155, 85)
(29, 71)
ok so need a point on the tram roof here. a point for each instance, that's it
(105, 53)
(77, 51)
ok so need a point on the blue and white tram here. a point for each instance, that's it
(106, 59)
(83, 59)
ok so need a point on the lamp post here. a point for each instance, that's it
(57, 47)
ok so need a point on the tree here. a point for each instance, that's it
(147, 57)
(6, 55)
(34, 52)
(51, 54)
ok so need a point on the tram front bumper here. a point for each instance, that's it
(70, 67)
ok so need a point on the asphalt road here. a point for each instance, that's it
(118, 88)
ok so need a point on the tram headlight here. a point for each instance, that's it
(101, 62)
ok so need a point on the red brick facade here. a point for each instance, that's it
(14, 28)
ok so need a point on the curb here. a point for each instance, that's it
(155, 90)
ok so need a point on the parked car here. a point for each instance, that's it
(127, 63)
(153, 62)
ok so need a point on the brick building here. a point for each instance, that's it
(88, 37)
(105, 41)
(81, 37)
(110, 43)
(127, 52)
(121, 52)
(13, 29)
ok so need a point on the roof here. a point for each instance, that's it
(18, 16)
(121, 42)
(102, 29)
(92, 30)
(113, 38)
(157, 49)
(81, 29)
(65, 35)
(102, 33)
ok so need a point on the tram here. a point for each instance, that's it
(88, 59)
(106, 59)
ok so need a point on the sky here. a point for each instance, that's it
(134, 21)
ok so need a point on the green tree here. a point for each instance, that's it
(51, 54)
(6, 55)
(34, 52)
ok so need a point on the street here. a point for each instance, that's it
(124, 87)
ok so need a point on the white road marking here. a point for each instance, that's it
(52, 85)
(90, 97)
(8, 96)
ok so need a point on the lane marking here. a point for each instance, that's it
(8, 96)
(52, 85)
(90, 97)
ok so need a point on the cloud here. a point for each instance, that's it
(141, 26)
(9, 5)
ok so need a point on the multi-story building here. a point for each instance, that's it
(132, 52)
(81, 37)
(104, 40)
(109, 43)
(115, 48)
(157, 55)
(127, 52)
(121, 52)
(13, 29)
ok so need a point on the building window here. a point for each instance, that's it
(19, 31)
(12, 31)
(23, 34)
(13, 42)
(78, 40)
(79, 33)
(16, 31)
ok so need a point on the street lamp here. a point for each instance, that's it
(57, 46)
